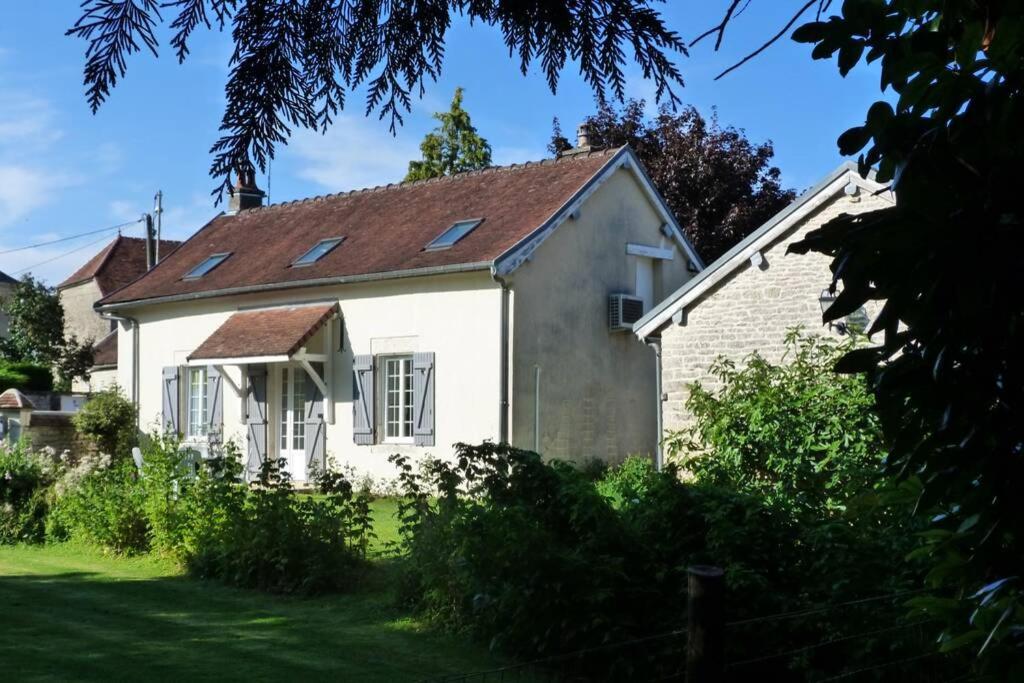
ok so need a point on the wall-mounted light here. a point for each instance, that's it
(856, 322)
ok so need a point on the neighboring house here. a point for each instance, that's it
(410, 317)
(6, 287)
(747, 299)
(122, 261)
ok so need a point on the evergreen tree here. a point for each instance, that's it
(452, 147)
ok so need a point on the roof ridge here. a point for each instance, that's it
(564, 159)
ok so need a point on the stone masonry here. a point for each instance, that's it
(751, 310)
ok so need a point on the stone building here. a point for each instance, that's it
(119, 263)
(752, 295)
(6, 287)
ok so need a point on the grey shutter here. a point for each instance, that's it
(423, 398)
(171, 401)
(362, 400)
(256, 417)
(316, 433)
(214, 405)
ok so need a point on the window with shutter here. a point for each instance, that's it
(170, 410)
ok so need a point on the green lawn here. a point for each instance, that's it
(69, 612)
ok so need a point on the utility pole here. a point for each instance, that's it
(158, 211)
(150, 246)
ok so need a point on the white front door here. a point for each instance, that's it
(292, 427)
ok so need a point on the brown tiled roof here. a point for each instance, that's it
(267, 332)
(12, 398)
(117, 264)
(105, 351)
(385, 229)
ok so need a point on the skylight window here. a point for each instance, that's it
(206, 266)
(453, 234)
(319, 250)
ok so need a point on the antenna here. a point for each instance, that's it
(158, 210)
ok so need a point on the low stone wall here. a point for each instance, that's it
(56, 430)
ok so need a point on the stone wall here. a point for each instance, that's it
(751, 310)
(56, 430)
(80, 319)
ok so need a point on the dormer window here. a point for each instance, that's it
(207, 265)
(453, 234)
(319, 250)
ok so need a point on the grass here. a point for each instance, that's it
(70, 612)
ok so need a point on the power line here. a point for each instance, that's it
(60, 256)
(71, 237)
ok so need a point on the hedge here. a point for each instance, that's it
(25, 376)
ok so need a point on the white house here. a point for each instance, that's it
(411, 317)
(748, 299)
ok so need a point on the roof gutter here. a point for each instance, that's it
(298, 284)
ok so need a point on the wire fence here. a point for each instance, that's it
(866, 639)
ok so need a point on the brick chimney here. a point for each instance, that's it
(583, 136)
(245, 194)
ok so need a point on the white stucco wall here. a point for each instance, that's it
(752, 309)
(597, 387)
(455, 316)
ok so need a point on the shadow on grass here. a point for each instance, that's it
(92, 626)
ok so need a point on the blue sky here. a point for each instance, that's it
(64, 171)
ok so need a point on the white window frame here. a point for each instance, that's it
(404, 395)
(197, 407)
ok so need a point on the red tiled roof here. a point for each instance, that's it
(105, 351)
(119, 263)
(385, 229)
(267, 332)
(12, 398)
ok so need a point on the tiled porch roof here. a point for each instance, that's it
(263, 333)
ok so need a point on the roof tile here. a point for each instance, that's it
(385, 229)
(266, 332)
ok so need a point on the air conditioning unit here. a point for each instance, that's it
(623, 311)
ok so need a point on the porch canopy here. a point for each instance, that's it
(271, 335)
(274, 335)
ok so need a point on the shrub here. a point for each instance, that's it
(795, 433)
(264, 536)
(538, 559)
(26, 480)
(25, 376)
(109, 419)
(100, 501)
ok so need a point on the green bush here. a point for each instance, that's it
(538, 559)
(25, 376)
(264, 536)
(100, 501)
(109, 419)
(794, 433)
(26, 481)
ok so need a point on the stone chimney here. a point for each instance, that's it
(583, 136)
(245, 194)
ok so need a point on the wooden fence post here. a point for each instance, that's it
(705, 624)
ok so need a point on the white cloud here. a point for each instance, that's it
(355, 153)
(27, 122)
(22, 189)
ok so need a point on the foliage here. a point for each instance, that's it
(264, 536)
(539, 559)
(794, 433)
(26, 479)
(295, 62)
(453, 147)
(25, 376)
(948, 374)
(109, 419)
(100, 501)
(36, 333)
(719, 185)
